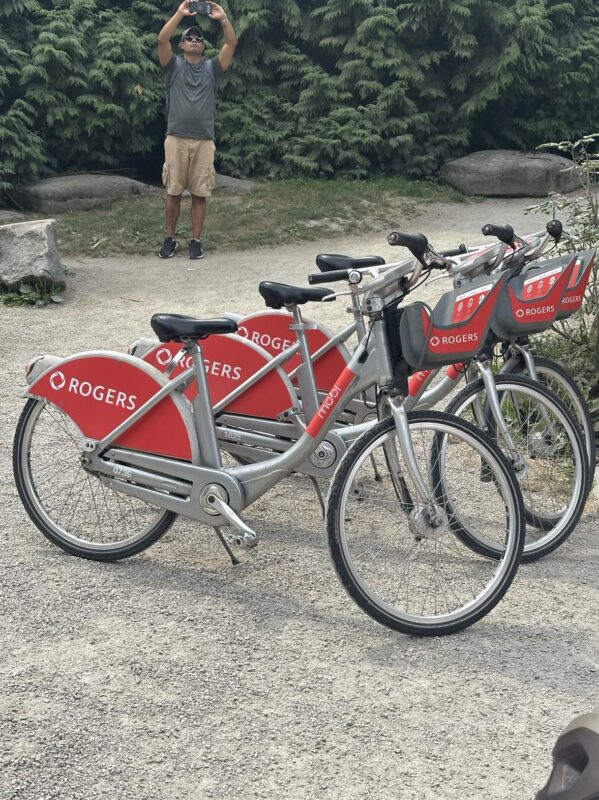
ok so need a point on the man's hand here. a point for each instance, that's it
(184, 9)
(218, 12)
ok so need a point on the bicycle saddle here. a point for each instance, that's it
(277, 295)
(175, 327)
(575, 773)
(326, 262)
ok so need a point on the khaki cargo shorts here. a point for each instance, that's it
(188, 164)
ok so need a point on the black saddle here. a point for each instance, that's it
(175, 327)
(326, 262)
(277, 295)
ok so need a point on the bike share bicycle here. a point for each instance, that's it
(536, 431)
(108, 450)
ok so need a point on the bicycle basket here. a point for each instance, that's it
(455, 330)
(530, 300)
(574, 294)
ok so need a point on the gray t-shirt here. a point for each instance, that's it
(191, 97)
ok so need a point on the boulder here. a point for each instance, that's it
(29, 255)
(511, 173)
(227, 184)
(77, 192)
(7, 216)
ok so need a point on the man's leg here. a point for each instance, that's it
(198, 214)
(171, 210)
(174, 177)
(201, 183)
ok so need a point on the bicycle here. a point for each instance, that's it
(532, 453)
(107, 485)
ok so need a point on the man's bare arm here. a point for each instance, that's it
(165, 51)
(227, 51)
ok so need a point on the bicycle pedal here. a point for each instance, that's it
(244, 536)
(241, 539)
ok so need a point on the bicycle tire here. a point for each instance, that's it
(45, 508)
(556, 527)
(347, 497)
(550, 370)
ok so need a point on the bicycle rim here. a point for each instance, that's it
(553, 480)
(71, 506)
(423, 582)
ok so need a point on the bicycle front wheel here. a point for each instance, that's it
(68, 504)
(404, 573)
(553, 475)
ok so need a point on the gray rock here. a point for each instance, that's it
(511, 173)
(7, 216)
(227, 184)
(29, 255)
(76, 192)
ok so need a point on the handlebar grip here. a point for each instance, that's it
(555, 228)
(329, 277)
(456, 251)
(505, 233)
(416, 243)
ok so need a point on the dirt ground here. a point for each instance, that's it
(175, 675)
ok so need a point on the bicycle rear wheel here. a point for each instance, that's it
(408, 576)
(69, 505)
(547, 439)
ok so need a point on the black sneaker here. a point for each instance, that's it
(168, 248)
(195, 249)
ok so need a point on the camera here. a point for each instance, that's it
(201, 8)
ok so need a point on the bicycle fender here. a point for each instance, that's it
(229, 361)
(99, 390)
(270, 330)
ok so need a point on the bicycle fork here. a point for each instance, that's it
(427, 519)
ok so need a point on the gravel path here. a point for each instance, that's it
(176, 675)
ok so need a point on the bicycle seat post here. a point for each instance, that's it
(305, 374)
(202, 409)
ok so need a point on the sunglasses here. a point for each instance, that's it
(192, 39)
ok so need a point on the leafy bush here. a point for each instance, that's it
(321, 87)
(575, 341)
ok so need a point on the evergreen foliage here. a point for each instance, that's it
(317, 87)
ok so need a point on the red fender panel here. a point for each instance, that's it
(99, 391)
(271, 331)
(229, 361)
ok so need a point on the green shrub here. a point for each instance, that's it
(317, 88)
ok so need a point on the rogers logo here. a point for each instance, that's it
(265, 340)
(575, 298)
(457, 338)
(57, 380)
(103, 394)
(535, 312)
(163, 357)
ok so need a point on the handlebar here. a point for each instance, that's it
(417, 243)
(328, 277)
(505, 233)
(460, 250)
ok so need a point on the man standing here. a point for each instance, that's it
(189, 147)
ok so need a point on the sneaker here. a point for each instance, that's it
(168, 248)
(195, 249)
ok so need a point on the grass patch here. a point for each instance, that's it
(276, 213)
